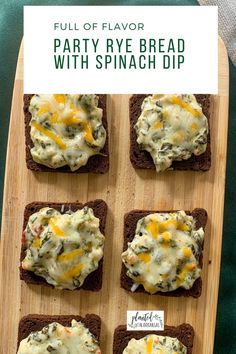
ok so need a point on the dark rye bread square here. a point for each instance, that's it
(142, 159)
(95, 164)
(184, 333)
(33, 323)
(93, 282)
(130, 223)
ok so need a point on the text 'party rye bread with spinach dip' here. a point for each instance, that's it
(164, 254)
(63, 248)
(66, 133)
(59, 334)
(170, 132)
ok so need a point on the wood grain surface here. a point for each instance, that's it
(123, 189)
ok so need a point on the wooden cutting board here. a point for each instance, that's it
(123, 189)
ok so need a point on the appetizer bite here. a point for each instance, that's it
(59, 334)
(155, 344)
(66, 133)
(62, 244)
(163, 252)
(170, 132)
(173, 340)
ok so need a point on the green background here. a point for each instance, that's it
(11, 30)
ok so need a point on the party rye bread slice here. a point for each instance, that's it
(33, 323)
(184, 333)
(96, 164)
(142, 159)
(93, 281)
(130, 223)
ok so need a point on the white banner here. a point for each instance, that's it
(120, 49)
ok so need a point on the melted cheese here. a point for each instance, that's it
(187, 252)
(153, 228)
(63, 248)
(171, 128)
(60, 98)
(50, 135)
(183, 227)
(71, 273)
(54, 117)
(178, 137)
(56, 229)
(69, 120)
(36, 242)
(70, 255)
(88, 132)
(193, 126)
(186, 106)
(154, 344)
(149, 345)
(145, 257)
(158, 125)
(44, 109)
(168, 224)
(56, 338)
(165, 252)
(66, 129)
(166, 237)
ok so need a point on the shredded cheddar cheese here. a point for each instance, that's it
(145, 257)
(168, 224)
(54, 117)
(194, 126)
(65, 257)
(158, 125)
(153, 228)
(60, 98)
(36, 242)
(178, 136)
(71, 273)
(180, 102)
(183, 227)
(50, 134)
(56, 229)
(187, 252)
(166, 236)
(149, 345)
(45, 108)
